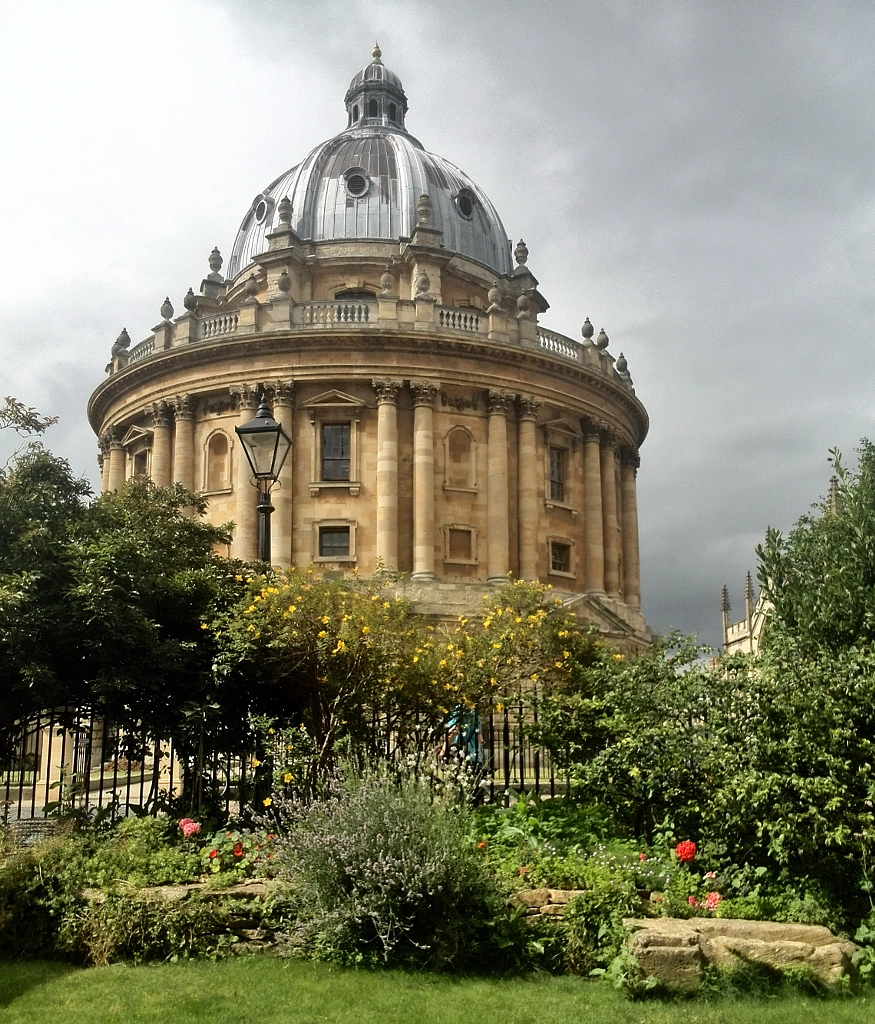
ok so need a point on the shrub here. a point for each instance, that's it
(32, 905)
(131, 925)
(387, 871)
(235, 854)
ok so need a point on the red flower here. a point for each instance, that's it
(712, 899)
(214, 854)
(238, 849)
(686, 851)
(693, 902)
(642, 856)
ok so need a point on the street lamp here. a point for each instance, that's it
(266, 445)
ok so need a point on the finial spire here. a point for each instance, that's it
(376, 53)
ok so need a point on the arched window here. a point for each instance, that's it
(373, 109)
(393, 112)
(355, 113)
(460, 456)
(218, 470)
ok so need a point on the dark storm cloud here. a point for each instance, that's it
(695, 176)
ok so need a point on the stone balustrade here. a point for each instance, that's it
(364, 315)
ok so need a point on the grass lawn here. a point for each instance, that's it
(264, 991)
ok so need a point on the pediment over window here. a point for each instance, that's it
(562, 429)
(334, 402)
(134, 435)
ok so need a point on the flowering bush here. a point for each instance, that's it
(239, 854)
(387, 870)
(685, 851)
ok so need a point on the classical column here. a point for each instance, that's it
(183, 442)
(629, 462)
(246, 515)
(593, 532)
(160, 469)
(281, 496)
(116, 460)
(610, 523)
(103, 462)
(423, 480)
(387, 472)
(497, 496)
(528, 488)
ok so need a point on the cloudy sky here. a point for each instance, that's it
(697, 176)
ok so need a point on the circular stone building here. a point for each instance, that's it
(437, 428)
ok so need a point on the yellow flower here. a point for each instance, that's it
(415, 658)
(255, 762)
(386, 604)
(267, 801)
(322, 635)
(287, 777)
(291, 608)
(203, 625)
(366, 629)
(442, 663)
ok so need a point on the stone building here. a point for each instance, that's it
(438, 429)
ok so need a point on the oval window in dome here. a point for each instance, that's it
(261, 208)
(357, 182)
(465, 203)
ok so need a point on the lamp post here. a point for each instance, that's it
(266, 445)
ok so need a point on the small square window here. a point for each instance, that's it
(557, 474)
(335, 451)
(333, 541)
(459, 546)
(560, 557)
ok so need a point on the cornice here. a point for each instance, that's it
(165, 364)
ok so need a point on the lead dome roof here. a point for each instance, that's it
(363, 184)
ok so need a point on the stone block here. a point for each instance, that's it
(532, 897)
(564, 895)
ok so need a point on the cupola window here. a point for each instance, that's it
(465, 203)
(393, 112)
(357, 182)
(261, 206)
(373, 109)
(355, 113)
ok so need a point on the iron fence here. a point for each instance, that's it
(69, 761)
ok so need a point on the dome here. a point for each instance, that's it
(364, 183)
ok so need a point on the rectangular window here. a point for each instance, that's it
(335, 451)
(557, 474)
(560, 557)
(459, 547)
(333, 541)
(140, 464)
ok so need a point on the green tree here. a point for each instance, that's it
(820, 578)
(102, 601)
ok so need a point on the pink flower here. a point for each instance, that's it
(711, 900)
(710, 874)
(693, 902)
(642, 856)
(686, 851)
(189, 827)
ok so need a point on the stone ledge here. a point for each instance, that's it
(674, 951)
